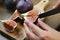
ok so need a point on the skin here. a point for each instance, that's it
(35, 32)
(57, 4)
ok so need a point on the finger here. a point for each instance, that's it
(43, 25)
(34, 28)
(57, 5)
(30, 35)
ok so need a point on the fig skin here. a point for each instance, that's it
(21, 5)
(24, 6)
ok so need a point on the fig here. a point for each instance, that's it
(10, 25)
(24, 6)
(31, 15)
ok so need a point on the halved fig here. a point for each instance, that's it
(32, 15)
(10, 25)
(15, 15)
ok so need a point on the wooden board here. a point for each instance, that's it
(13, 35)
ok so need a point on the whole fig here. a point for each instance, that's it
(24, 6)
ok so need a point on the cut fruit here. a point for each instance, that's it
(32, 15)
(15, 15)
(10, 25)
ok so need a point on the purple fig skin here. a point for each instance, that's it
(30, 7)
(24, 6)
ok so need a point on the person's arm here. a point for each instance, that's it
(34, 32)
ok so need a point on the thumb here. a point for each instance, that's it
(57, 5)
(44, 25)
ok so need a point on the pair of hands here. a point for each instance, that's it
(34, 32)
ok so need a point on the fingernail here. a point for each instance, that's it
(24, 24)
(26, 21)
(39, 19)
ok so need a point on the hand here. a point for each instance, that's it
(57, 5)
(34, 32)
